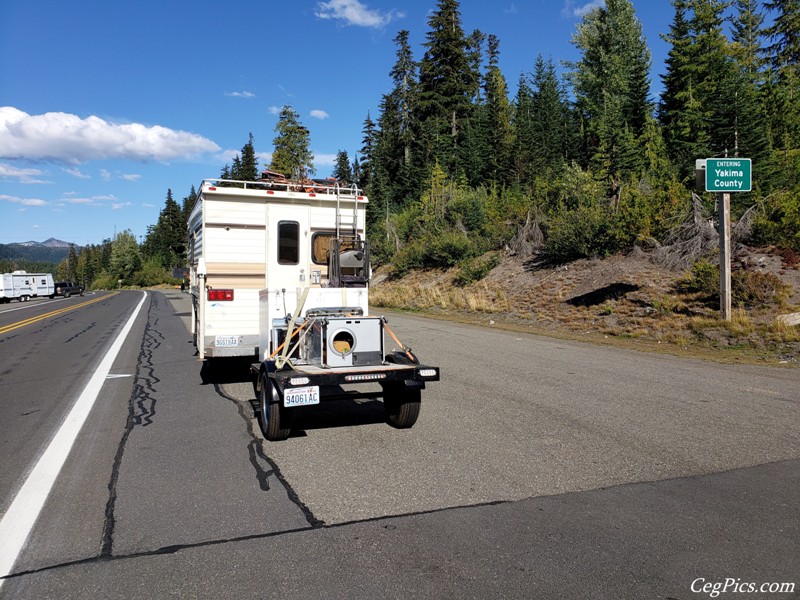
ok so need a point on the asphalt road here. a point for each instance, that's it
(539, 469)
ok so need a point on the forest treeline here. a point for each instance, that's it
(581, 161)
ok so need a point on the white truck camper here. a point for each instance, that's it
(279, 273)
(23, 286)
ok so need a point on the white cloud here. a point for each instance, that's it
(77, 173)
(68, 138)
(91, 200)
(319, 114)
(570, 10)
(511, 10)
(240, 94)
(324, 160)
(23, 201)
(274, 110)
(105, 175)
(21, 175)
(130, 176)
(352, 12)
(120, 205)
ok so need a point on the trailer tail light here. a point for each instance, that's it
(425, 373)
(220, 295)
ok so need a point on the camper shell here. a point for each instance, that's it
(279, 272)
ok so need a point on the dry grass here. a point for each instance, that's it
(514, 295)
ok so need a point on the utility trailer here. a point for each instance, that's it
(279, 271)
(23, 286)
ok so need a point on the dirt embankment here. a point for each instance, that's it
(623, 298)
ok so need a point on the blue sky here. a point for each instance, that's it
(104, 105)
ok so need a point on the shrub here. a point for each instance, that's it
(748, 288)
(704, 279)
(476, 269)
(580, 233)
(753, 288)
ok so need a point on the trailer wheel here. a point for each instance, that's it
(274, 419)
(401, 406)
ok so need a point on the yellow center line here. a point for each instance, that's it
(54, 313)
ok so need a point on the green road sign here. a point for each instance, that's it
(729, 174)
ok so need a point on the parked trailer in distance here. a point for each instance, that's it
(279, 273)
(23, 286)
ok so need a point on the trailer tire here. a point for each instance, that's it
(275, 420)
(401, 406)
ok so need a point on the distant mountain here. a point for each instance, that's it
(48, 251)
(48, 243)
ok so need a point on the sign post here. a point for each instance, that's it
(723, 176)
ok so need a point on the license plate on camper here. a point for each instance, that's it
(226, 341)
(301, 396)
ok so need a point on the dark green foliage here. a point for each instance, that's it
(750, 289)
(779, 223)
(476, 269)
(342, 170)
(292, 155)
(703, 279)
(166, 240)
(585, 232)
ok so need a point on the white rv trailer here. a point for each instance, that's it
(23, 286)
(279, 273)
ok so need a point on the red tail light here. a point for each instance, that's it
(220, 295)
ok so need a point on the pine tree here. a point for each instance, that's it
(249, 170)
(444, 77)
(611, 87)
(341, 170)
(498, 117)
(783, 85)
(551, 124)
(522, 124)
(746, 38)
(368, 145)
(292, 155)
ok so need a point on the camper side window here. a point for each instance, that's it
(288, 243)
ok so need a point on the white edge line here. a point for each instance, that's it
(21, 516)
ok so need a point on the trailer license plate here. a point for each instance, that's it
(301, 396)
(226, 341)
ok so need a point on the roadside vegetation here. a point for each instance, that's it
(579, 164)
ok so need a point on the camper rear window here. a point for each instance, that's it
(320, 245)
(288, 243)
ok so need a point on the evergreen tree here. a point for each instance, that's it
(444, 77)
(498, 117)
(368, 145)
(746, 38)
(550, 121)
(680, 115)
(611, 87)
(188, 204)
(342, 171)
(72, 264)
(292, 155)
(248, 165)
(166, 240)
(782, 90)
(522, 125)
